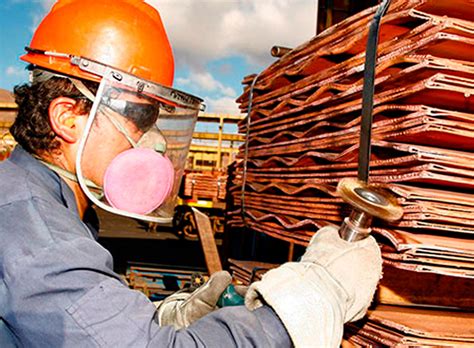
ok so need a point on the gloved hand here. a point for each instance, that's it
(182, 308)
(333, 284)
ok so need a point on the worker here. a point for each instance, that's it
(101, 73)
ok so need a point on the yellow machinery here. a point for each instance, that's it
(214, 150)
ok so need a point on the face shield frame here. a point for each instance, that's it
(170, 95)
(172, 99)
(169, 100)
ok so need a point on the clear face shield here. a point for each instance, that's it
(133, 151)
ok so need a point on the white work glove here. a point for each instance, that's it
(333, 284)
(182, 308)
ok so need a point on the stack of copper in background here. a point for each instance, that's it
(205, 185)
(303, 132)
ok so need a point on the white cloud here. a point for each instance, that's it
(181, 81)
(207, 30)
(228, 91)
(220, 98)
(201, 31)
(15, 71)
(225, 105)
(205, 82)
(212, 29)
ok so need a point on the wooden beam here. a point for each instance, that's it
(208, 242)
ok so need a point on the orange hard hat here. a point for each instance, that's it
(127, 35)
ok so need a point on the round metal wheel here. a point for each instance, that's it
(368, 199)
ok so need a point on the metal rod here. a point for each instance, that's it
(279, 51)
(368, 93)
(356, 226)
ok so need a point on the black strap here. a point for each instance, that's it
(368, 93)
(253, 247)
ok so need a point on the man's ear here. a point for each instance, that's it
(64, 119)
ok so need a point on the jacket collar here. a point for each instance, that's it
(55, 185)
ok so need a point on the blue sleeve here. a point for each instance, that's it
(60, 290)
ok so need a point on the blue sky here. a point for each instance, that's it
(215, 42)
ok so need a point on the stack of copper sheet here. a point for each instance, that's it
(407, 327)
(205, 185)
(303, 133)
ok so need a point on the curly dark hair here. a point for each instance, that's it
(31, 128)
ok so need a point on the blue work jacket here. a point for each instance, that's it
(58, 287)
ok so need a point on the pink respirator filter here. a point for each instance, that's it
(138, 180)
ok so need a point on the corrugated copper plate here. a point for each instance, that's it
(409, 327)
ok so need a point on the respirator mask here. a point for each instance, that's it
(134, 148)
